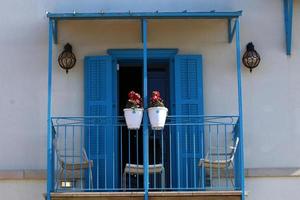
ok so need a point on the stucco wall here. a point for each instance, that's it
(272, 188)
(25, 190)
(271, 97)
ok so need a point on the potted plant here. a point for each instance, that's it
(134, 111)
(157, 111)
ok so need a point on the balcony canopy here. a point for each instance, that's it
(55, 17)
(144, 15)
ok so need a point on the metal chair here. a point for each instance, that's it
(133, 169)
(71, 166)
(222, 161)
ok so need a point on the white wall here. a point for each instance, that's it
(25, 190)
(271, 97)
(272, 188)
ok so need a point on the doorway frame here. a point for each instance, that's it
(138, 54)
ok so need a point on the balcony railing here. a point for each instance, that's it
(191, 153)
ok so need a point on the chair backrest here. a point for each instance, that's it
(234, 148)
(55, 144)
(67, 155)
(54, 135)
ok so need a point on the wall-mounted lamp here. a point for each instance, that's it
(67, 59)
(251, 58)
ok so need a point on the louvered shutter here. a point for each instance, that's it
(188, 97)
(99, 139)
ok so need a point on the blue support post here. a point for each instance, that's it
(55, 31)
(50, 154)
(145, 118)
(240, 107)
(288, 22)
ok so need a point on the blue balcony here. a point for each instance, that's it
(191, 153)
(98, 156)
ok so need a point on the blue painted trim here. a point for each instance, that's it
(139, 54)
(145, 118)
(231, 31)
(288, 22)
(50, 153)
(145, 15)
(240, 108)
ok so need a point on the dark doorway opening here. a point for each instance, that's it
(130, 76)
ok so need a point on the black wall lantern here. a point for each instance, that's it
(251, 58)
(67, 59)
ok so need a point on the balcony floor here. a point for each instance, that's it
(207, 195)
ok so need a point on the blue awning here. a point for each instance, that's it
(144, 15)
(55, 17)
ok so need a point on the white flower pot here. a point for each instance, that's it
(157, 116)
(133, 117)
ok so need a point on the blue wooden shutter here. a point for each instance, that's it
(99, 139)
(188, 97)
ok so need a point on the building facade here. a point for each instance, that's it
(270, 95)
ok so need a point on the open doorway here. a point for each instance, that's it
(130, 76)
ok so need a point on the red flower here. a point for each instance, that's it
(134, 100)
(156, 100)
(156, 93)
(138, 96)
(131, 95)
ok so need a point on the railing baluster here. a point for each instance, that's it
(194, 157)
(178, 161)
(218, 156)
(162, 178)
(154, 152)
(202, 134)
(186, 157)
(89, 145)
(57, 171)
(226, 157)
(113, 156)
(121, 157)
(170, 157)
(73, 157)
(105, 158)
(137, 158)
(98, 154)
(65, 156)
(129, 175)
(81, 154)
(210, 158)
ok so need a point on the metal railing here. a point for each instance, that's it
(191, 153)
